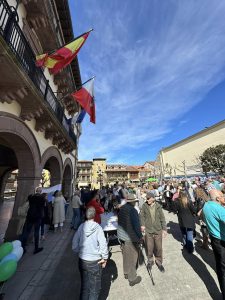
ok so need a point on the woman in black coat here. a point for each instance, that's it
(185, 212)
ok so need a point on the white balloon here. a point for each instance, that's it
(16, 244)
(18, 252)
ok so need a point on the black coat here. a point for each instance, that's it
(36, 208)
(185, 214)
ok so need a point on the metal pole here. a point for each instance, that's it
(71, 41)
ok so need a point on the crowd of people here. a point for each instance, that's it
(141, 221)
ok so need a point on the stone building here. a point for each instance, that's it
(182, 158)
(34, 130)
(98, 173)
(84, 173)
(116, 173)
(148, 169)
(121, 173)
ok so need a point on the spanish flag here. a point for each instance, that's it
(62, 57)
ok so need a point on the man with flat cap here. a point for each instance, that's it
(153, 223)
(129, 233)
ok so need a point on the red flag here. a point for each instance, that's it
(62, 57)
(85, 97)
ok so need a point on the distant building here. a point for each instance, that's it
(147, 170)
(182, 158)
(84, 173)
(102, 174)
(116, 173)
(98, 173)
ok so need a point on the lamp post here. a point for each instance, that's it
(100, 177)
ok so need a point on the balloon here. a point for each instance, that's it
(7, 269)
(18, 252)
(16, 244)
(10, 256)
(5, 249)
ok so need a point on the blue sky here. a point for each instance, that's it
(160, 73)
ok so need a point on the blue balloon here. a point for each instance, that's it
(8, 257)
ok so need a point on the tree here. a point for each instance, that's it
(45, 178)
(168, 169)
(213, 159)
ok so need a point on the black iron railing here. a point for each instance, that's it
(13, 35)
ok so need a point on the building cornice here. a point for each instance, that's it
(191, 137)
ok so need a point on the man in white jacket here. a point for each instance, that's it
(90, 244)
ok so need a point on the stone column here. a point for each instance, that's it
(67, 187)
(25, 187)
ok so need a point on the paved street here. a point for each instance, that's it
(53, 274)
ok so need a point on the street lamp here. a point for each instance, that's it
(100, 177)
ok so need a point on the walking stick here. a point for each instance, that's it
(146, 265)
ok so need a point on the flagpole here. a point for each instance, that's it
(71, 41)
(77, 89)
(87, 81)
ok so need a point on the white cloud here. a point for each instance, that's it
(153, 62)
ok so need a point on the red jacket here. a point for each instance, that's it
(98, 209)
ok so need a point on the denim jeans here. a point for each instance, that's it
(42, 227)
(76, 220)
(218, 247)
(91, 273)
(27, 230)
(187, 238)
(66, 208)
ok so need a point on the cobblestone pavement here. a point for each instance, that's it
(56, 277)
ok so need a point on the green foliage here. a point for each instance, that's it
(213, 159)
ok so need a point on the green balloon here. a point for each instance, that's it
(5, 249)
(7, 269)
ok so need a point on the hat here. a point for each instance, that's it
(131, 198)
(150, 195)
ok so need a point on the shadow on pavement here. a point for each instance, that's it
(65, 283)
(207, 255)
(200, 268)
(109, 275)
(174, 229)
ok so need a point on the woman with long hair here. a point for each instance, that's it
(185, 212)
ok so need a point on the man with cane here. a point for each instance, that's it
(153, 224)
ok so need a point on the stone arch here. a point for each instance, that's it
(52, 161)
(24, 154)
(67, 178)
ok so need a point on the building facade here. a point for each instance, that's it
(147, 170)
(99, 173)
(116, 173)
(182, 158)
(34, 130)
(84, 173)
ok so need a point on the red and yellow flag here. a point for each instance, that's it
(62, 57)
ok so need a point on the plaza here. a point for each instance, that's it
(54, 274)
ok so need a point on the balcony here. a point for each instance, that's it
(23, 82)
